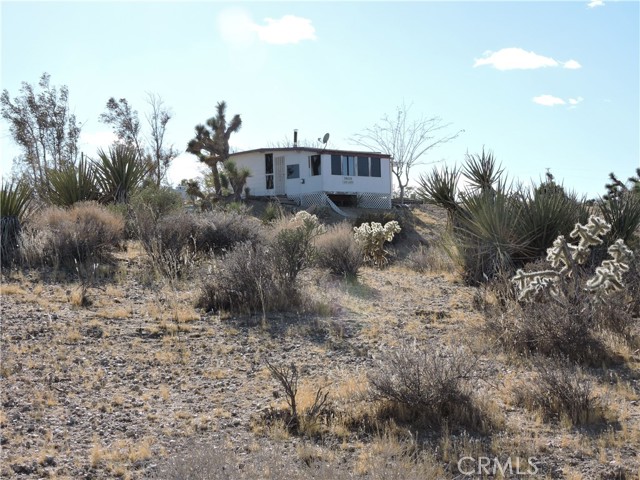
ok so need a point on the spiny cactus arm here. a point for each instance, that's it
(599, 227)
(559, 255)
(617, 268)
(620, 252)
(604, 281)
(531, 283)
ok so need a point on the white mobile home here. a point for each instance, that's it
(319, 176)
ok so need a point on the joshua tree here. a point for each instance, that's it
(211, 145)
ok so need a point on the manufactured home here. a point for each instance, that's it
(317, 176)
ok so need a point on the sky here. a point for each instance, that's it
(543, 85)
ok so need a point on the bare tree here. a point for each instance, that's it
(44, 128)
(158, 117)
(406, 140)
(151, 149)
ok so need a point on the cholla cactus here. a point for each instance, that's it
(372, 238)
(565, 257)
(310, 222)
(530, 284)
(608, 276)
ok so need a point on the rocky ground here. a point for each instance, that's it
(138, 380)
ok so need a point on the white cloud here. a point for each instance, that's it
(551, 101)
(288, 29)
(571, 64)
(518, 59)
(595, 3)
(548, 100)
(514, 58)
(237, 28)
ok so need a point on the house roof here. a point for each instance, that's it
(312, 150)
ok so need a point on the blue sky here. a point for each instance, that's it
(542, 84)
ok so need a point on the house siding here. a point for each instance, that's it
(375, 191)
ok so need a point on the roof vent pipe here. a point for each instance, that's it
(295, 138)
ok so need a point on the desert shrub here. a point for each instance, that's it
(428, 385)
(551, 328)
(145, 207)
(433, 258)
(244, 281)
(372, 237)
(339, 252)
(221, 231)
(160, 200)
(14, 204)
(261, 277)
(172, 241)
(86, 232)
(560, 391)
(273, 211)
(292, 245)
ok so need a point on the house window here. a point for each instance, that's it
(314, 165)
(348, 165)
(376, 171)
(293, 171)
(363, 166)
(268, 169)
(336, 165)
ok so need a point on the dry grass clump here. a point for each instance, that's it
(433, 258)
(339, 252)
(244, 280)
(68, 237)
(429, 386)
(387, 459)
(561, 391)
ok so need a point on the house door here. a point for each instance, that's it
(279, 172)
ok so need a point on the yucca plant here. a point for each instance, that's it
(622, 212)
(14, 205)
(120, 173)
(487, 234)
(73, 184)
(546, 214)
(439, 188)
(482, 171)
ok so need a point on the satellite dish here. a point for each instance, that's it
(325, 139)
